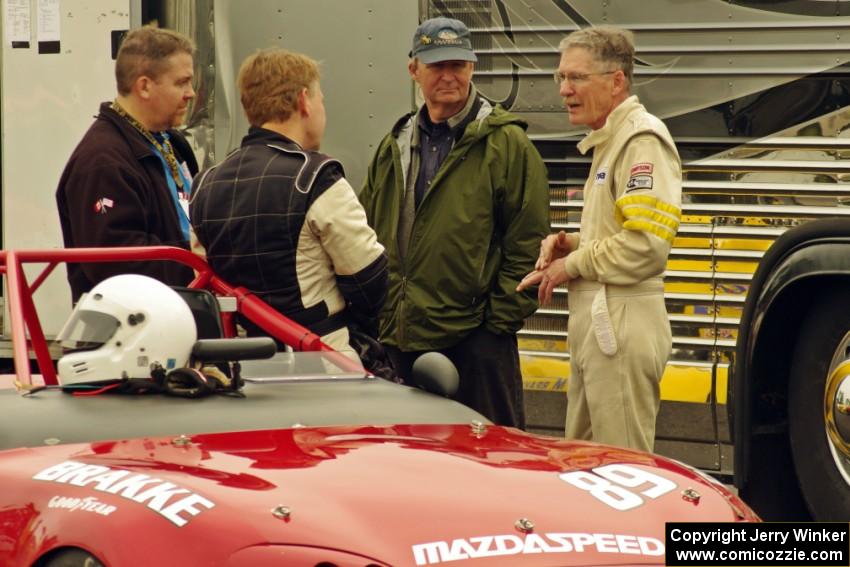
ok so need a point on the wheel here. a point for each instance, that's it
(823, 471)
(71, 558)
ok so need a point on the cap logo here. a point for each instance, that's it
(448, 37)
(442, 39)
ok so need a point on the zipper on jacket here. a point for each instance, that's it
(450, 163)
(401, 317)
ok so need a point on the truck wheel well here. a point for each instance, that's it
(771, 467)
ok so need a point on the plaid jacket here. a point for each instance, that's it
(284, 223)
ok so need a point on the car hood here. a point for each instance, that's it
(401, 495)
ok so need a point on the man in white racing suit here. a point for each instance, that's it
(618, 330)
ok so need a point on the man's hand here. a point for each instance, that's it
(553, 247)
(547, 279)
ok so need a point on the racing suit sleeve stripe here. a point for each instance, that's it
(659, 231)
(649, 201)
(651, 215)
(648, 213)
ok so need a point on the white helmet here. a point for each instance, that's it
(124, 325)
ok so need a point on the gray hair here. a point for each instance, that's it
(607, 44)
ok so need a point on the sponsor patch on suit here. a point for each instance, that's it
(639, 182)
(601, 175)
(641, 168)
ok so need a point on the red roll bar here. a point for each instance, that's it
(25, 318)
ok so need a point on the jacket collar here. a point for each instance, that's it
(461, 118)
(262, 136)
(404, 127)
(612, 124)
(140, 147)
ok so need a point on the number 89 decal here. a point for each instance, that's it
(609, 485)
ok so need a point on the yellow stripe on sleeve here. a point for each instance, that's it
(649, 201)
(661, 232)
(649, 214)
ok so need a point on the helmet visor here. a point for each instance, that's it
(87, 330)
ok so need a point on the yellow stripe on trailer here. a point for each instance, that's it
(544, 373)
(680, 383)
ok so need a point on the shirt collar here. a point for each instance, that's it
(454, 121)
(258, 135)
(612, 124)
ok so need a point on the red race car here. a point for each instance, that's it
(306, 460)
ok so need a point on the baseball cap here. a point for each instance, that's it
(442, 39)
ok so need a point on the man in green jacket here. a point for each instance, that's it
(458, 195)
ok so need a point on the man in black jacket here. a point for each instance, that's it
(279, 218)
(128, 181)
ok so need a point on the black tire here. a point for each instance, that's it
(72, 558)
(825, 330)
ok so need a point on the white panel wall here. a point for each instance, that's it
(48, 103)
(362, 46)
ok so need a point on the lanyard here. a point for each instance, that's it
(164, 148)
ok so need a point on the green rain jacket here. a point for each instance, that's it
(475, 235)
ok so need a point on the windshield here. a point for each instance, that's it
(298, 366)
(87, 330)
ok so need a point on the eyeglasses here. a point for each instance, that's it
(576, 78)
